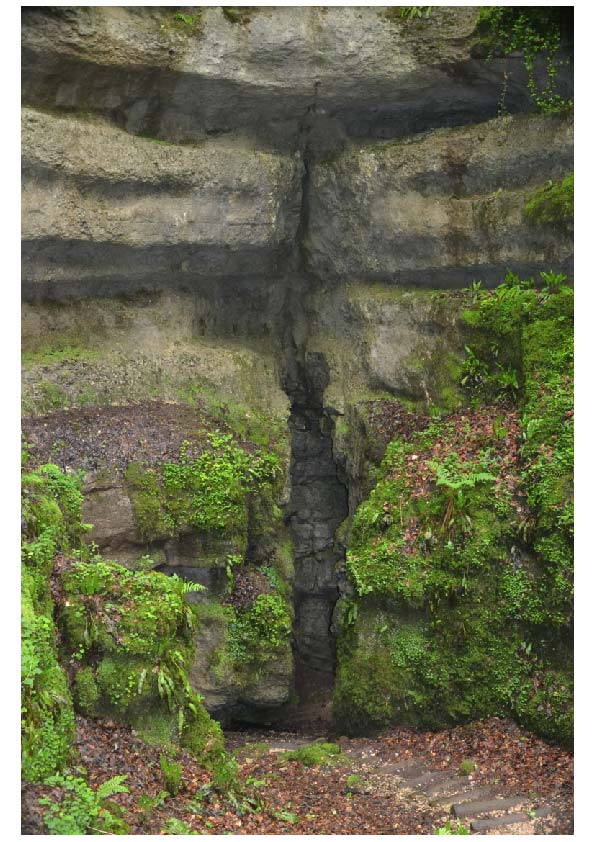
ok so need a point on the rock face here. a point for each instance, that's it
(349, 71)
(106, 212)
(256, 208)
(440, 208)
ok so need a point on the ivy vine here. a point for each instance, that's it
(536, 32)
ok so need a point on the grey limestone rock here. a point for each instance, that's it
(103, 209)
(355, 71)
(442, 208)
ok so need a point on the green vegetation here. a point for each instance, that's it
(315, 754)
(254, 636)
(192, 22)
(407, 13)
(128, 635)
(552, 204)
(411, 12)
(51, 511)
(208, 492)
(48, 355)
(171, 773)
(82, 810)
(466, 767)
(535, 31)
(462, 566)
(239, 14)
(452, 829)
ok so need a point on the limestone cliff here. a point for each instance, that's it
(250, 212)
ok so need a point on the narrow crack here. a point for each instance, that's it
(318, 493)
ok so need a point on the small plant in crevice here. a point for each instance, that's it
(413, 12)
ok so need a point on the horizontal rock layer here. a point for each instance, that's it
(348, 71)
(442, 208)
(101, 207)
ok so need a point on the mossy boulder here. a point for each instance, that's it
(129, 636)
(51, 513)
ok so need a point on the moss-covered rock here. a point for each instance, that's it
(130, 637)
(51, 516)
(460, 558)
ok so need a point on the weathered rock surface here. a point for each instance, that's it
(242, 207)
(170, 345)
(342, 71)
(224, 696)
(104, 211)
(440, 209)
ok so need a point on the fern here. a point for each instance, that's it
(111, 787)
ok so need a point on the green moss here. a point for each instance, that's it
(50, 355)
(86, 692)
(450, 620)
(137, 627)
(254, 637)
(210, 492)
(146, 497)
(552, 204)
(315, 754)
(239, 14)
(51, 506)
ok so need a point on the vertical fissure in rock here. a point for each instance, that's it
(318, 501)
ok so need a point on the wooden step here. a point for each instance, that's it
(476, 808)
(510, 818)
(424, 780)
(464, 795)
(499, 821)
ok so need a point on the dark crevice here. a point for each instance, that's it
(318, 500)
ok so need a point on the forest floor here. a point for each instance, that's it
(361, 791)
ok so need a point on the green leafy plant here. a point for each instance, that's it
(285, 816)
(188, 20)
(177, 827)
(456, 477)
(171, 773)
(451, 829)
(412, 12)
(81, 810)
(148, 803)
(537, 33)
(466, 767)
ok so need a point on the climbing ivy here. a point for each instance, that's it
(536, 32)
